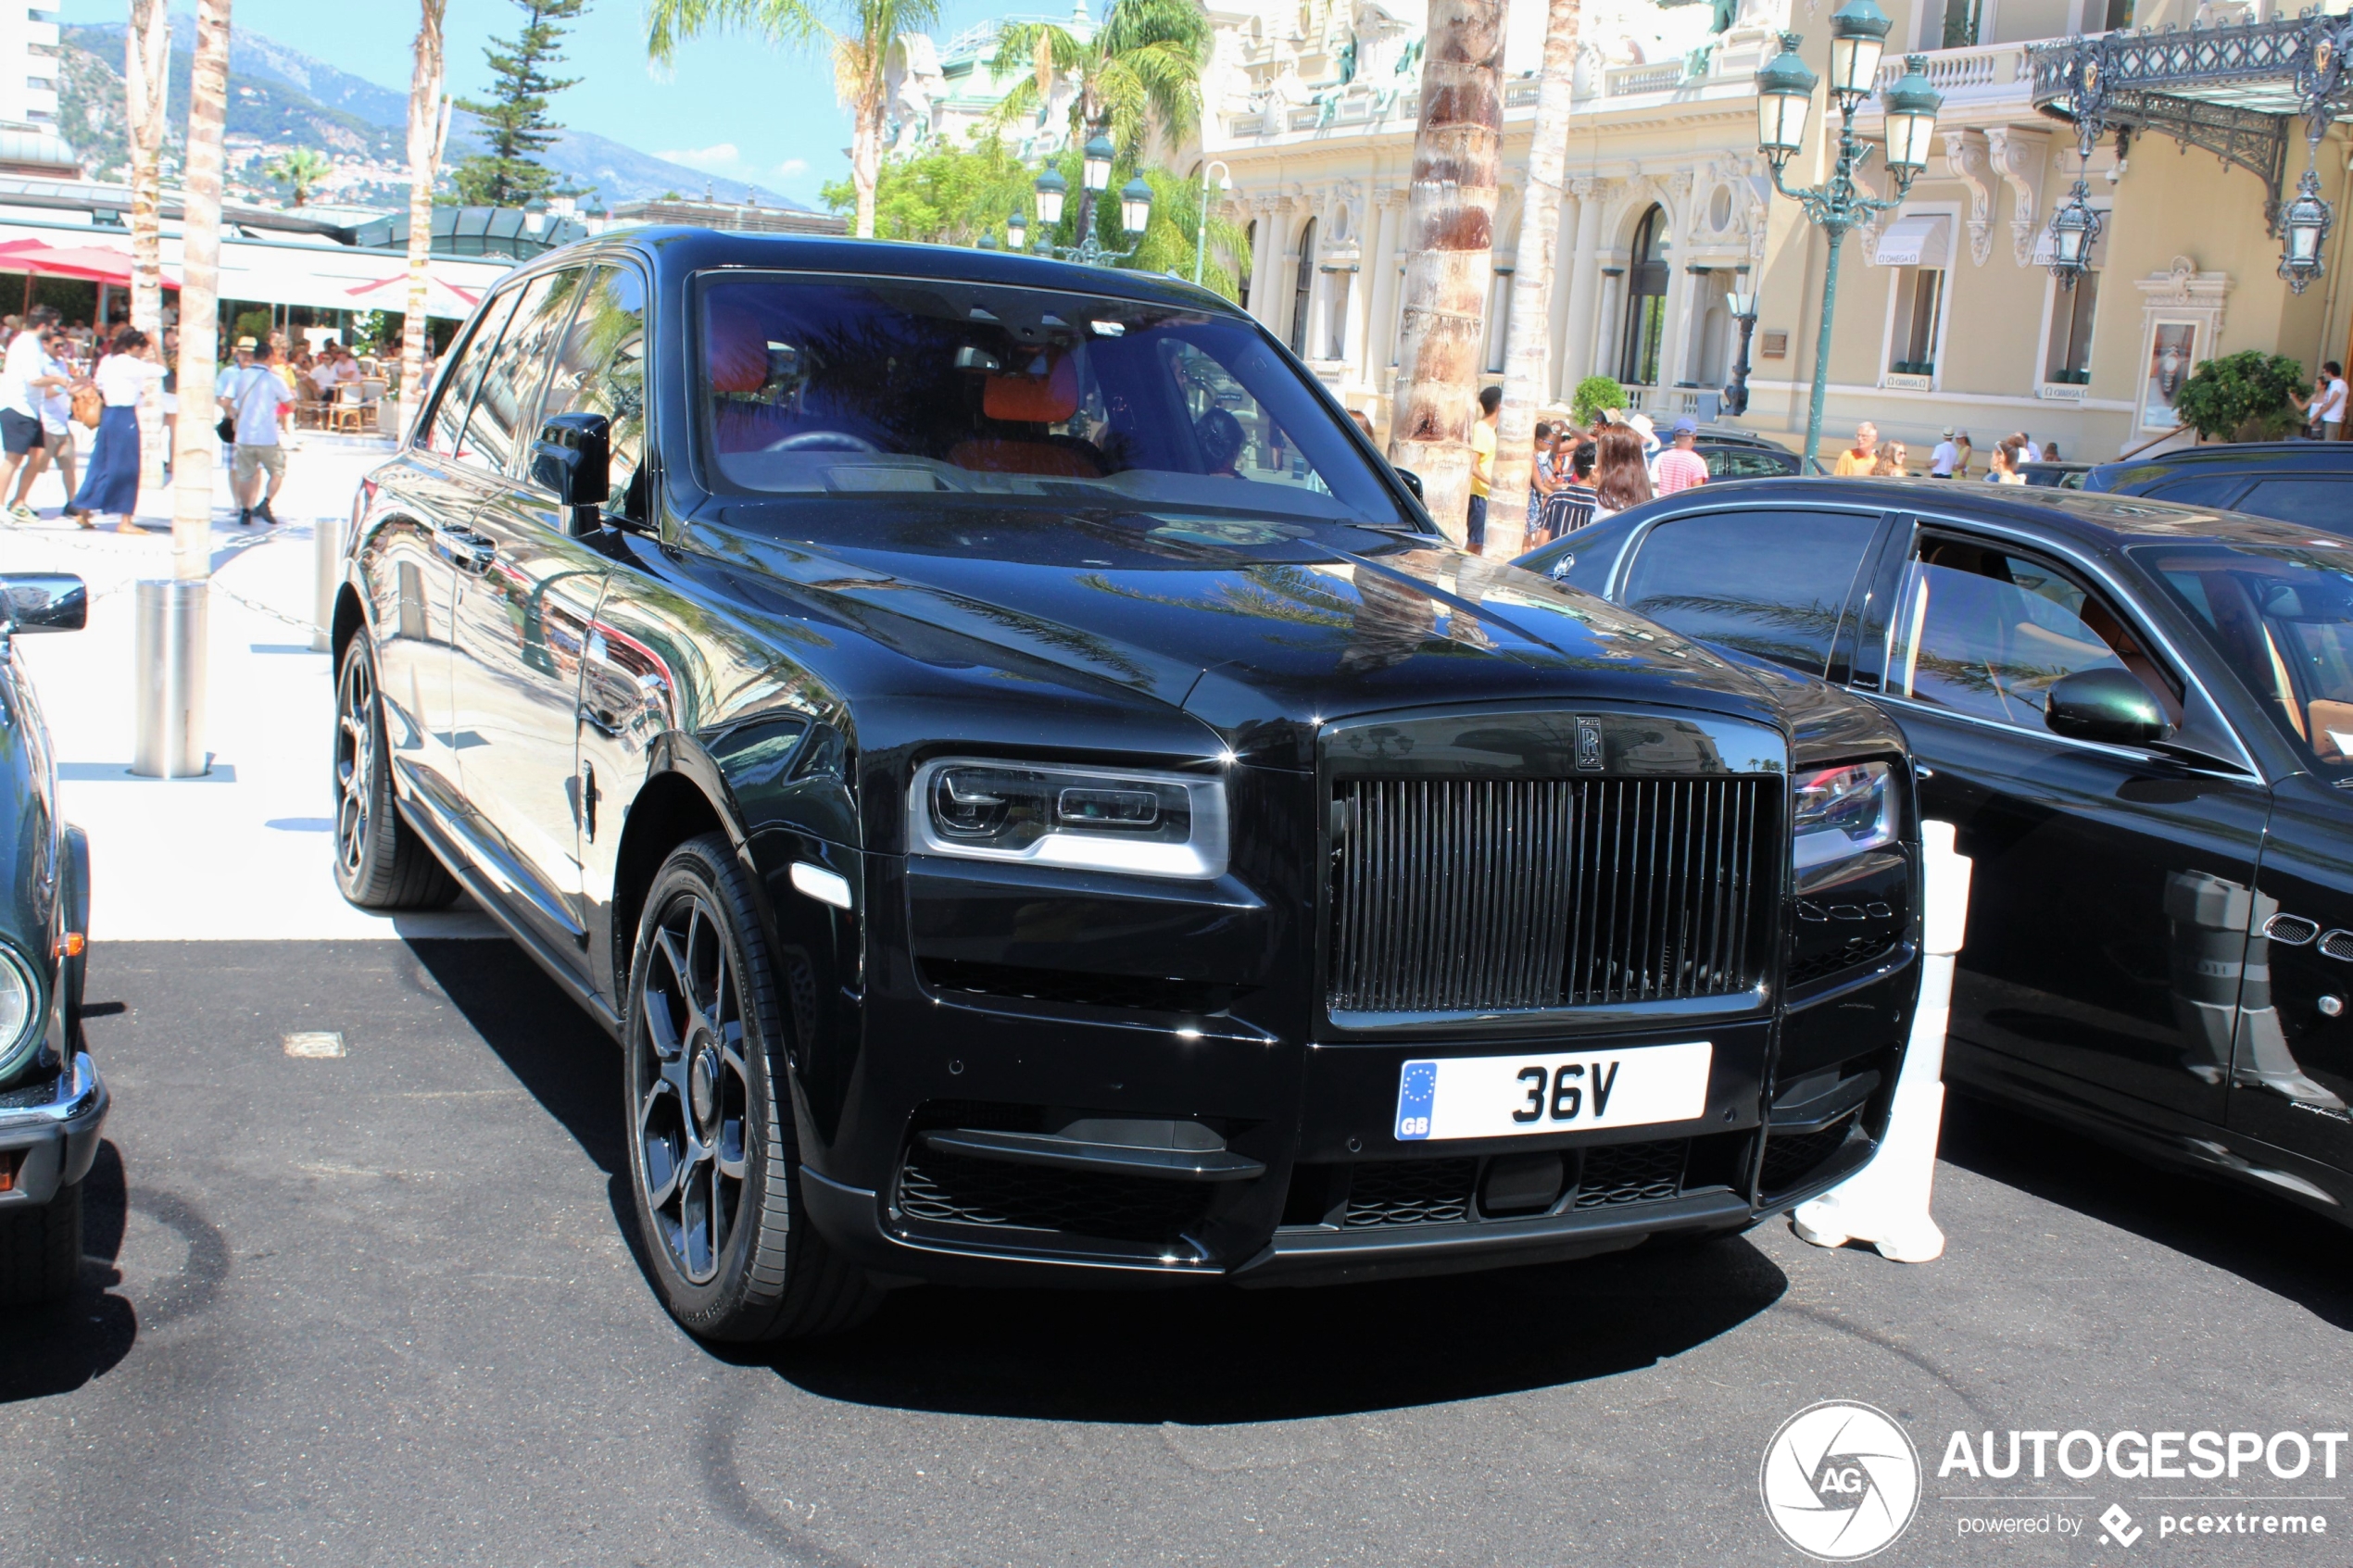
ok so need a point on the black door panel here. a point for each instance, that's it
(2292, 1080)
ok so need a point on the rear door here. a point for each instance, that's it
(410, 566)
(522, 620)
(2110, 887)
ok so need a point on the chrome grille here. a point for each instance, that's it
(1484, 895)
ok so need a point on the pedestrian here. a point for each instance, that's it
(1540, 475)
(1491, 408)
(111, 482)
(2002, 467)
(1620, 477)
(1941, 462)
(1681, 466)
(56, 420)
(1860, 458)
(1891, 462)
(2024, 451)
(2328, 410)
(24, 382)
(1570, 505)
(256, 398)
(1364, 421)
(2050, 452)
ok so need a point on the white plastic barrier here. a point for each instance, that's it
(1885, 1203)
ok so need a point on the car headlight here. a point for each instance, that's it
(19, 1009)
(1094, 819)
(1842, 812)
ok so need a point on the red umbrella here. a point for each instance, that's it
(94, 264)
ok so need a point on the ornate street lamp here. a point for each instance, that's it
(2305, 225)
(1018, 231)
(535, 217)
(1050, 188)
(987, 240)
(1785, 88)
(1741, 300)
(2073, 229)
(1135, 206)
(596, 218)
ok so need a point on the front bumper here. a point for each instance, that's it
(50, 1143)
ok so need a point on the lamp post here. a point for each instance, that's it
(1201, 234)
(1135, 207)
(1741, 301)
(1785, 95)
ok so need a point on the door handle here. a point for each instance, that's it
(469, 550)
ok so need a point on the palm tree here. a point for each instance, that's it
(199, 294)
(1527, 323)
(1166, 245)
(1450, 222)
(302, 170)
(857, 48)
(1139, 75)
(428, 128)
(147, 60)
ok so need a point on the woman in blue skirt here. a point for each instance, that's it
(111, 485)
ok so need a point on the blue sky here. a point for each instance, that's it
(730, 105)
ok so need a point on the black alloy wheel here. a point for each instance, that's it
(714, 1161)
(380, 862)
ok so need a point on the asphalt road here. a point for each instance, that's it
(383, 1308)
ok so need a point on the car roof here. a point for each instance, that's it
(674, 249)
(2090, 519)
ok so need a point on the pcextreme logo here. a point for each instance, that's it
(1840, 1481)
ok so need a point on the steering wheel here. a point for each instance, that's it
(822, 440)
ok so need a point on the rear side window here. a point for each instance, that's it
(1727, 462)
(2206, 490)
(1772, 583)
(510, 400)
(445, 428)
(2323, 502)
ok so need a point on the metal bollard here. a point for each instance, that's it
(325, 578)
(167, 644)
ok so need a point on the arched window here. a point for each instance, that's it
(1301, 289)
(1645, 302)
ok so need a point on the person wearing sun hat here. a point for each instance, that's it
(1947, 456)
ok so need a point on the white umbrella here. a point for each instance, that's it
(441, 299)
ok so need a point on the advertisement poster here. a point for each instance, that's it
(2172, 355)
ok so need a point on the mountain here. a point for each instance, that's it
(280, 98)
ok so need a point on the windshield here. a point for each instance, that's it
(2282, 615)
(833, 387)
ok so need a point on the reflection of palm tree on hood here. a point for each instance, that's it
(1392, 621)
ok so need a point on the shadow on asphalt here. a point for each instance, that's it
(1221, 1355)
(2264, 1240)
(59, 1348)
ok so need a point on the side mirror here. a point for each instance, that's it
(43, 601)
(2104, 705)
(573, 457)
(1413, 482)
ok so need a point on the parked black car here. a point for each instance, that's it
(2305, 483)
(2055, 475)
(1037, 800)
(52, 1101)
(2140, 717)
(1734, 453)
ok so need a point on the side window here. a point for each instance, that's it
(601, 370)
(511, 385)
(446, 426)
(1772, 583)
(1727, 462)
(2206, 490)
(1982, 632)
(1231, 434)
(2310, 502)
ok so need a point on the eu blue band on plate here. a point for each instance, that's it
(1416, 1097)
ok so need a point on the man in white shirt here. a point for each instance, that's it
(252, 394)
(1942, 461)
(24, 380)
(2329, 409)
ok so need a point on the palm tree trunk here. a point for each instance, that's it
(865, 162)
(428, 123)
(147, 59)
(1527, 331)
(1450, 231)
(199, 296)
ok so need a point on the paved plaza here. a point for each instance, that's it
(384, 1306)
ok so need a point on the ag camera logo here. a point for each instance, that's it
(1840, 1481)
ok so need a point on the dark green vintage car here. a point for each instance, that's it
(50, 1101)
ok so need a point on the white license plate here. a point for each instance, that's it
(1500, 1097)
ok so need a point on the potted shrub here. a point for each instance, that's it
(2242, 396)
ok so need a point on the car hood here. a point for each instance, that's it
(1262, 629)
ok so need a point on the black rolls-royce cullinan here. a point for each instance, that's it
(2139, 718)
(1037, 800)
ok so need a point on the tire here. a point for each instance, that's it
(41, 1251)
(705, 1072)
(381, 863)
